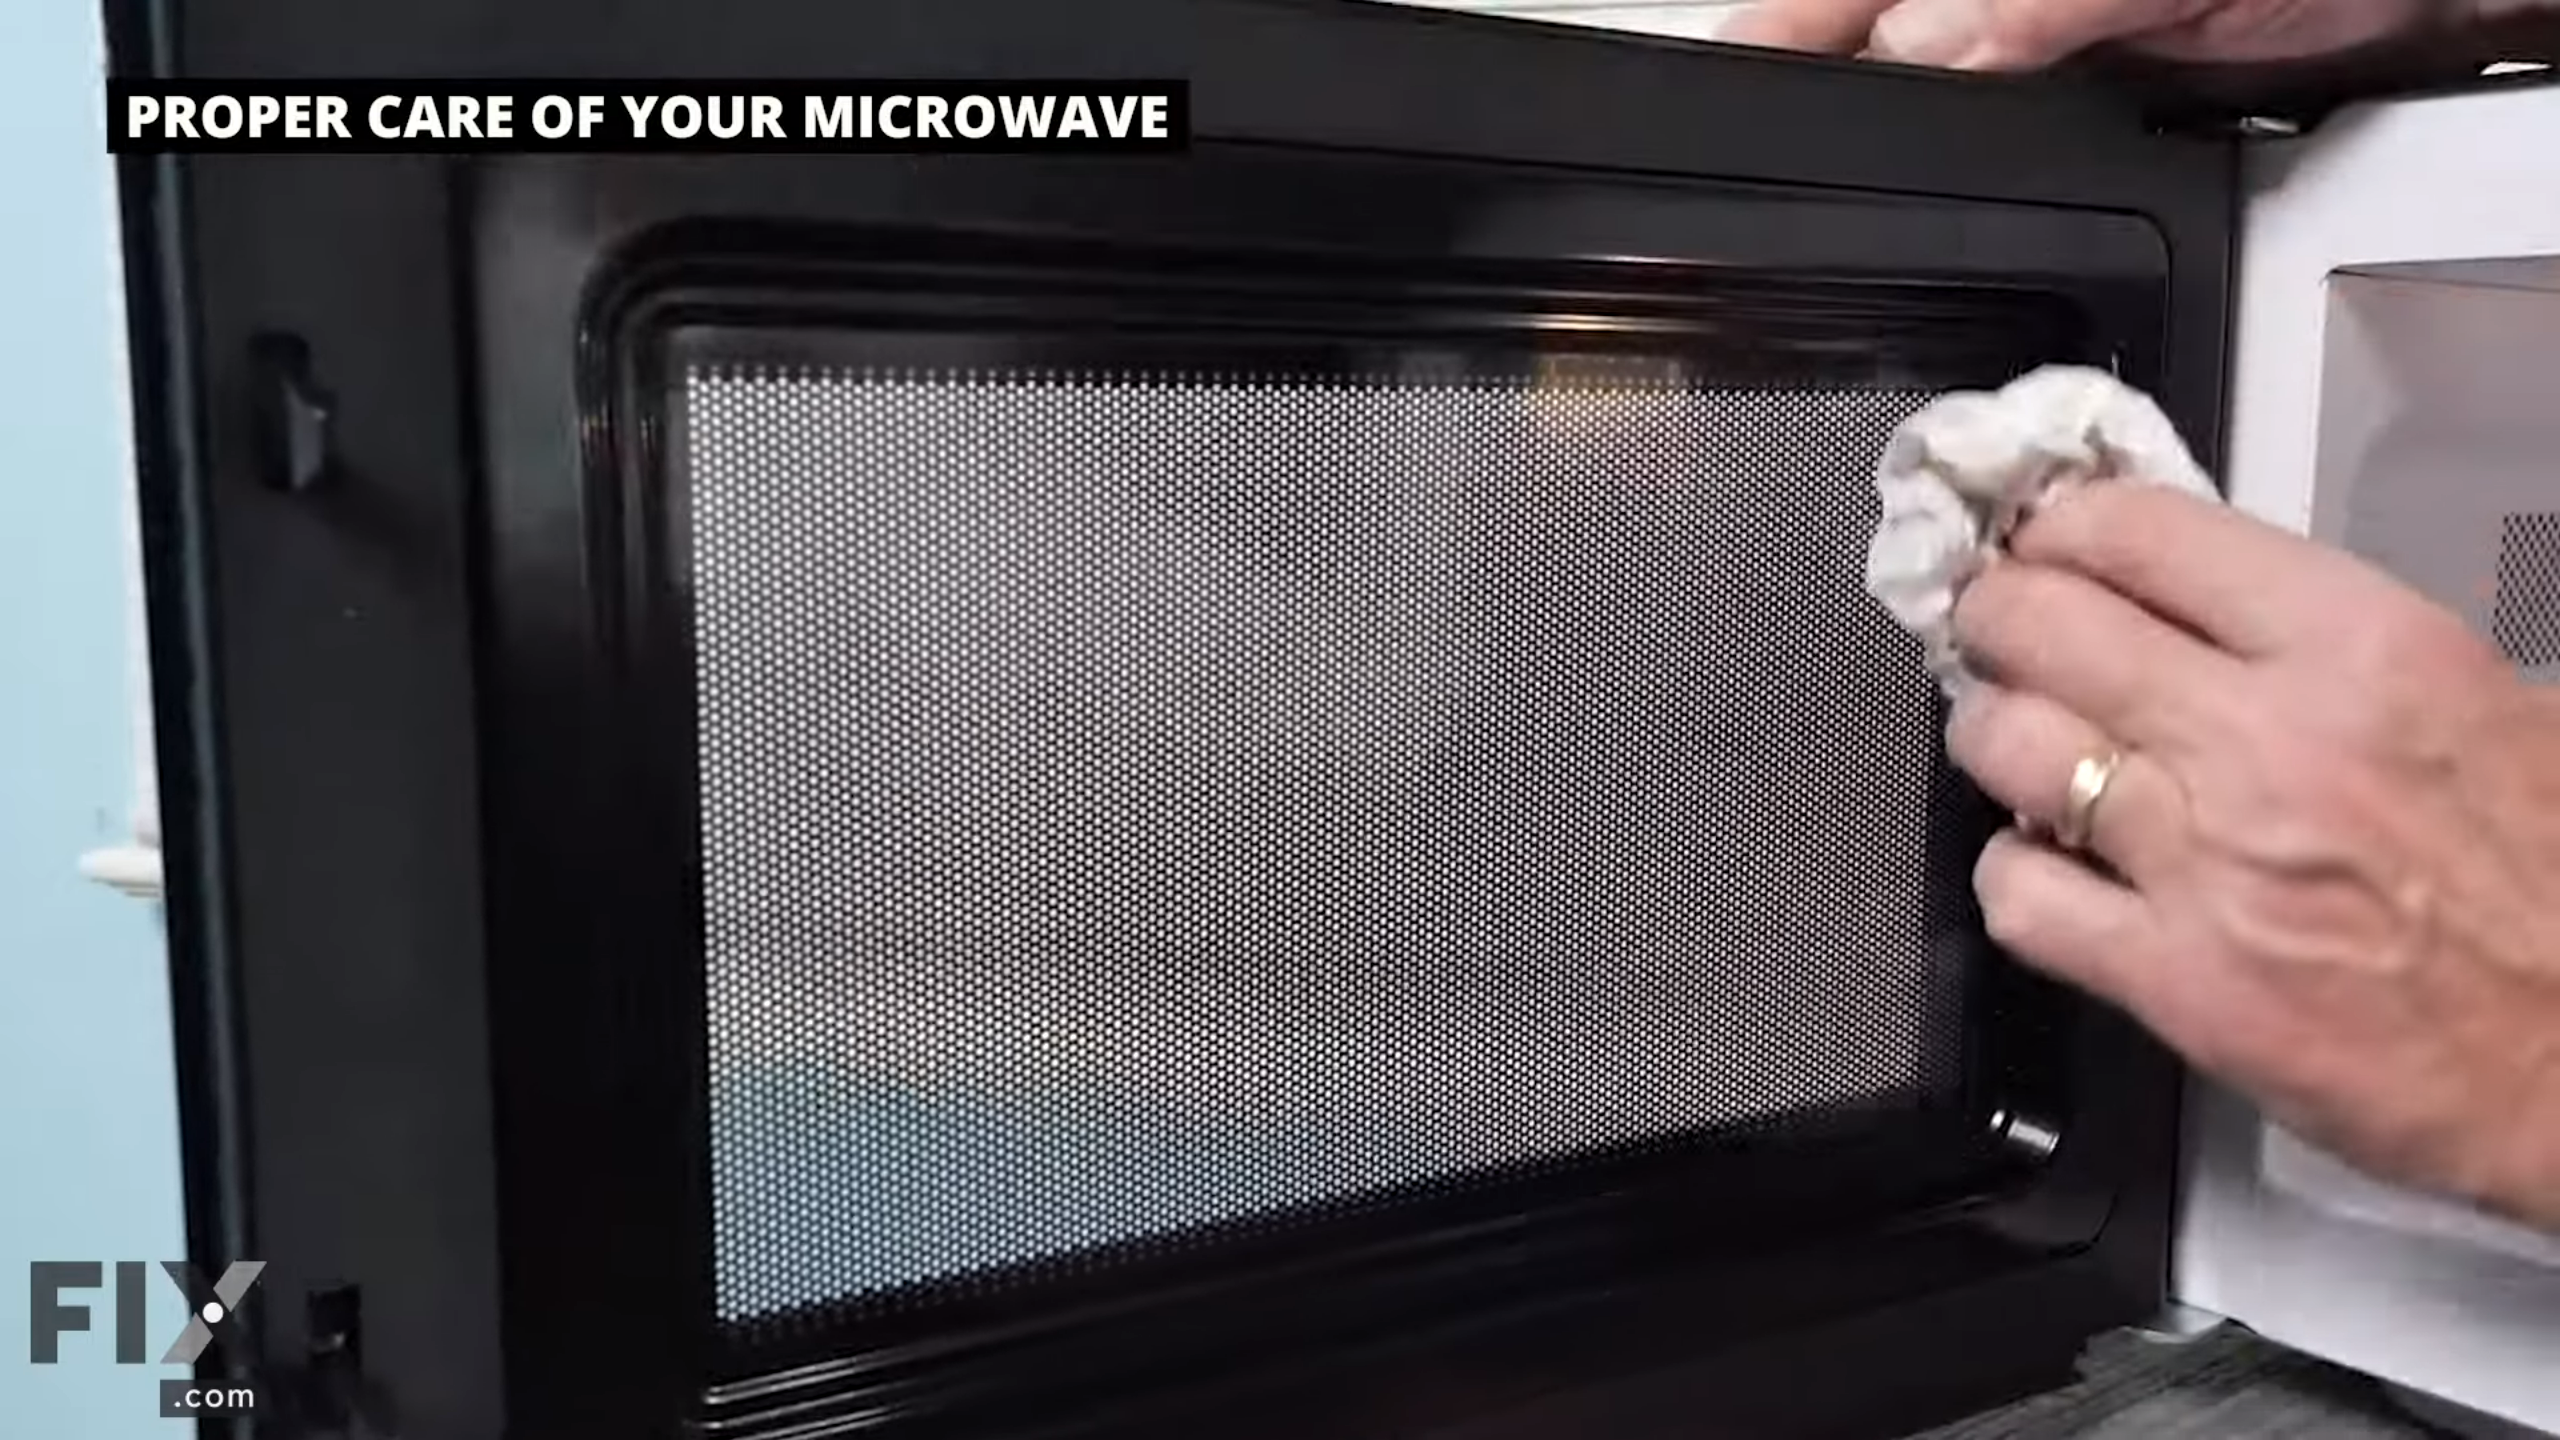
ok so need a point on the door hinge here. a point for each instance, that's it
(2265, 127)
(327, 1395)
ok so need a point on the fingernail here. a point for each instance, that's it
(1930, 32)
(1962, 707)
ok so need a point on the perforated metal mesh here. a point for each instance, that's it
(1134, 803)
(2525, 617)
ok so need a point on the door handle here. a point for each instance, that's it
(296, 416)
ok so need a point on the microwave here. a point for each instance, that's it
(1239, 793)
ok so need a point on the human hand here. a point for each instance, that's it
(2029, 34)
(2327, 867)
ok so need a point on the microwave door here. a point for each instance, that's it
(1243, 793)
(2389, 312)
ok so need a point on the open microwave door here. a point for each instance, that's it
(1211, 795)
(2397, 335)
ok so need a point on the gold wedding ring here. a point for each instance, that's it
(2089, 781)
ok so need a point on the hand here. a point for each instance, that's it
(2327, 868)
(2029, 34)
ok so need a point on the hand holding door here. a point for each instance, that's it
(2027, 34)
(2309, 828)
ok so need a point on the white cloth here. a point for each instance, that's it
(1956, 478)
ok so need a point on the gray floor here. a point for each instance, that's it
(2228, 1385)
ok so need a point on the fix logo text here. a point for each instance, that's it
(208, 1305)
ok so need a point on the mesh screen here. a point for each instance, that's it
(1137, 802)
(2524, 618)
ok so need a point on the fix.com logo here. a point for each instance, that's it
(49, 1314)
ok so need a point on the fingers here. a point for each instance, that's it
(2013, 34)
(2022, 750)
(2298, 32)
(2244, 585)
(2065, 919)
(2099, 655)
(1832, 27)
(1961, 34)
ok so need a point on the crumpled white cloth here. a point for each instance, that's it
(1957, 477)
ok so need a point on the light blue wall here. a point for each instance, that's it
(88, 1122)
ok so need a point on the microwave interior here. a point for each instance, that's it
(1248, 793)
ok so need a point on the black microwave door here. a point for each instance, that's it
(1226, 794)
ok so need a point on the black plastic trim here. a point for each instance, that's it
(181, 626)
(339, 692)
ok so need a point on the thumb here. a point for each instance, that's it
(2011, 34)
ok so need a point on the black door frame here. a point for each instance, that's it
(326, 677)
